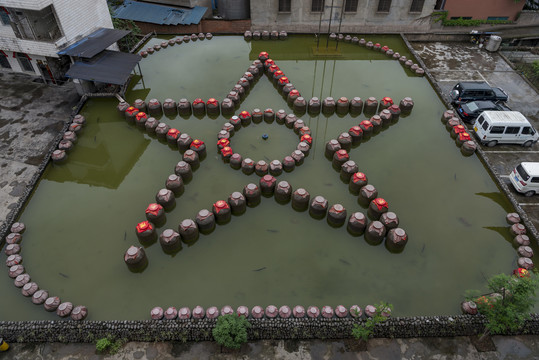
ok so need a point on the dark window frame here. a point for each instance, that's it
(317, 6)
(527, 130)
(417, 6)
(384, 6)
(497, 129)
(350, 6)
(285, 6)
(512, 130)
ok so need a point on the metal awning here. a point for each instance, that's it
(159, 14)
(110, 67)
(94, 43)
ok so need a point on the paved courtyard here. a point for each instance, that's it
(451, 62)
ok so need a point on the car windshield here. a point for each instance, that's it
(523, 174)
(472, 106)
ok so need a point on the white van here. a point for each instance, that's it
(525, 178)
(504, 127)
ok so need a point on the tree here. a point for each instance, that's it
(532, 5)
(365, 330)
(231, 331)
(509, 304)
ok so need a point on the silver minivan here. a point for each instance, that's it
(525, 178)
(504, 127)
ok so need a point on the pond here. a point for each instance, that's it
(81, 217)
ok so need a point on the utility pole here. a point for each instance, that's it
(340, 23)
(329, 27)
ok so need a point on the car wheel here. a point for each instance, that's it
(528, 143)
(492, 143)
(529, 193)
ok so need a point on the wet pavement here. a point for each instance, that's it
(516, 347)
(32, 114)
(451, 62)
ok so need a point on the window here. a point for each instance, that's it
(535, 180)
(485, 125)
(512, 130)
(497, 129)
(384, 5)
(461, 17)
(4, 16)
(498, 18)
(284, 5)
(417, 6)
(4, 62)
(317, 6)
(350, 5)
(527, 131)
(523, 174)
(25, 62)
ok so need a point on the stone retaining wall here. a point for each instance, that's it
(261, 329)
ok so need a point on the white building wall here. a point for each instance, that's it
(26, 4)
(265, 16)
(79, 18)
(76, 19)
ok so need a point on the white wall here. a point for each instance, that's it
(265, 16)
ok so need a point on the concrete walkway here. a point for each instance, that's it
(451, 62)
(517, 347)
(31, 116)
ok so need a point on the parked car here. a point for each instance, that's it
(504, 127)
(470, 111)
(525, 178)
(466, 91)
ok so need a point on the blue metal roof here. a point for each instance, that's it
(159, 14)
(94, 43)
(109, 67)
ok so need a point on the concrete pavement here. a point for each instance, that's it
(515, 347)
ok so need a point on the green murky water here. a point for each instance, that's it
(81, 218)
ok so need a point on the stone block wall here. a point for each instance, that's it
(265, 328)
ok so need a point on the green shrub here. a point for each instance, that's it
(109, 345)
(231, 331)
(365, 330)
(103, 344)
(509, 304)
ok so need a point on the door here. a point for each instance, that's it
(512, 134)
(528, 133)
(496, 133)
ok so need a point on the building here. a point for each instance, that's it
(483, 9)
(352, 16)
(32, 32)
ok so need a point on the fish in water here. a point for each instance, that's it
(344, 261)
(252, 146)
(463, 221)
(125, 235)
(262, 268)
(267, 158)
(328, 184)
(95, 138)
(272, 230)
(64, 275)
(98, 118)
(455, 176)
(423, 248)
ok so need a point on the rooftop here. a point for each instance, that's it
(159, 14)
